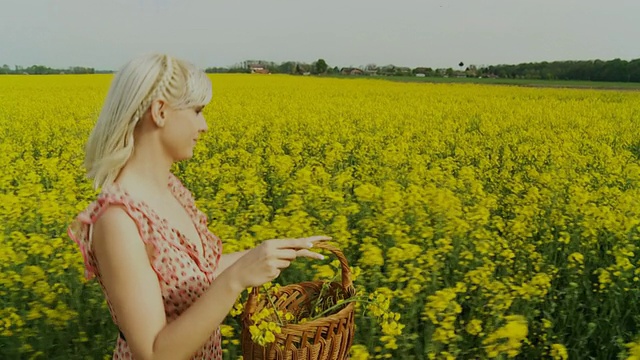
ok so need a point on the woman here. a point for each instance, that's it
(163, 274)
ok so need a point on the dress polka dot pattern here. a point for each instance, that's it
(183, 273)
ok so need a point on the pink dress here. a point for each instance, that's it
(183, 274)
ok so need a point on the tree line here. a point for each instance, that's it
(615, 70)
(288, 67)
(591, 70)
(45, 70)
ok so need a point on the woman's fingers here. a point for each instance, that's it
(287, 254)
(282, 264)
(302, 243)
(318, 238)
(290, 254)
(309, 254)
(275, 274)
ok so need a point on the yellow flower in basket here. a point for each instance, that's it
(314, 319)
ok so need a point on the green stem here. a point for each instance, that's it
(351, 299)
(325, 286)
(266, 292)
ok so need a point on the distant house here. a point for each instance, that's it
(258, 69)
(351, 71)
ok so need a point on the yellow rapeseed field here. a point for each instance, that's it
(499, 222)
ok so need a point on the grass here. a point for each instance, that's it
(515, 82)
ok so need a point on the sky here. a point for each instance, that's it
(104, 34)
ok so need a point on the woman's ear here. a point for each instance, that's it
(158, 112)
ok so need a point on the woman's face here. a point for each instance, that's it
(181, 130)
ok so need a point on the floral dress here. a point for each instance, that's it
(183, 274)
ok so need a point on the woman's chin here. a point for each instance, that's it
(185, 156)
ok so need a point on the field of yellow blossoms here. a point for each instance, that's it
(499, 222)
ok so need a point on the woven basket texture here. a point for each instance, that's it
(326, 338)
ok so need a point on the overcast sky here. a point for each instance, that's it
(105, 33)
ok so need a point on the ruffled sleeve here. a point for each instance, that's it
(80, 230)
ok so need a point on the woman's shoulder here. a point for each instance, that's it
(111, 214)
(112, 196)
(93, 210)
(119, 226)
(80, 230)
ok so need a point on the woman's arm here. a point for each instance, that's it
(136, 298)
(227, 260)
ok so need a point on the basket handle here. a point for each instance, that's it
(347, 284)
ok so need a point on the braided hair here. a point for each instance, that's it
(134, 88)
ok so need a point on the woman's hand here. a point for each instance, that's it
(265, 262)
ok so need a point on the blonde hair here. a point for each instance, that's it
(135, 86)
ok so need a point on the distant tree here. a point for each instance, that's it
(302, 68)
(589, 70)
(40, 70)
(287, 67)
(5, 69)
(321, 66)
(388, 70)
(81, 70)
(427, 71)
(617, 70)
(449, 72)
(241, 67)
(215, 70)
(306, 68)
(371, 69)
(634, 70)
(273, 68)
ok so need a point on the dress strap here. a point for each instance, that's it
(81, 228)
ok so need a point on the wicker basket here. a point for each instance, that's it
(326, 338)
